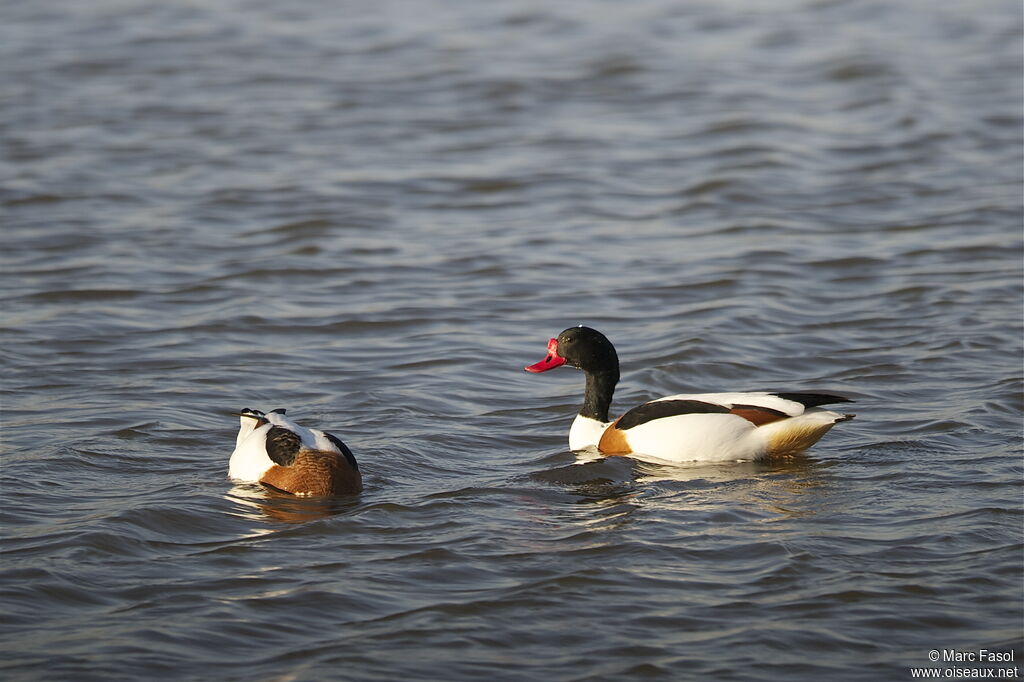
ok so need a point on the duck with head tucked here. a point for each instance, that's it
(274, 451)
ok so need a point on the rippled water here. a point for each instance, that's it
(375, 214)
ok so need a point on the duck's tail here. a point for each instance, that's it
(790, 436)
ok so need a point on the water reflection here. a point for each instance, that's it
(261, 504)
(779, 489)
(784, 488)
(654, 471)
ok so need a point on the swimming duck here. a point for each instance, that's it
(705, 427)
(275, 451)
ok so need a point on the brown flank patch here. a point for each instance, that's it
(315, 473)
(758, 416)
(613, 441)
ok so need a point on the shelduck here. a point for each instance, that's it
(275, 451)
(706, 427)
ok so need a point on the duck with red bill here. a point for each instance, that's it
(550, 362)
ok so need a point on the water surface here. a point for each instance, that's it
(375, 214)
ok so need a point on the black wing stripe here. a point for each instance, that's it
(282, 445)
(344, 450)
(813, 399)
(666, 408)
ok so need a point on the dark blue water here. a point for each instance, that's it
(375, 214)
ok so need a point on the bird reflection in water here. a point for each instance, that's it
(788, 487)
(784, 487)
(261, 503)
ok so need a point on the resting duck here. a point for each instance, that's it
(275, 451)
(707, 427)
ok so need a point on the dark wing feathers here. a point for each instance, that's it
(282, 445)
(756, 414)
(344, 450)
(813, 399)
(666, 408)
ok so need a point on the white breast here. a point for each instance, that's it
(585, 433)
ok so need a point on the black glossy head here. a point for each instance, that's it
(591, 351)
(587, 349)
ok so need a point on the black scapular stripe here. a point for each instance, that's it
(282, 445)
(666, 408)
(344, 450)
(813, 399)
